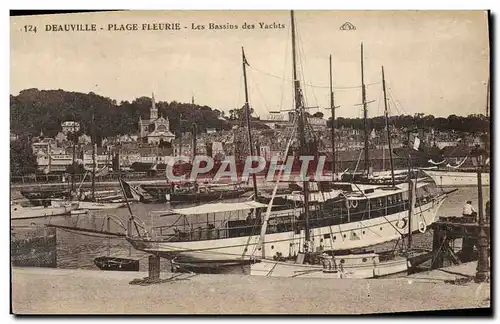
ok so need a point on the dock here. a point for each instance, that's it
(65, 291)
(449, 229)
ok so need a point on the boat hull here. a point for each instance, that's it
(354, 267)
(90, 205)
(163, 196)
(212, 267)
(116, 264)
(455, 178)
(17, 212)
(345, 236)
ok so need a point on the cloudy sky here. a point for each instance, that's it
(436, 62)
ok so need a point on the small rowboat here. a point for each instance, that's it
(116, 264)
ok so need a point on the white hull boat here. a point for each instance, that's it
(79, 212)
(344, 236)
(356, 218)
(352, 266)
(444, 178)
(20, 212)
(93, 205)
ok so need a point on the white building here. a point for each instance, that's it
(156, 128)
(70, 126)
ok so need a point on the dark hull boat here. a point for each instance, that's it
(211, 266)
(116, 264)
(164, 193)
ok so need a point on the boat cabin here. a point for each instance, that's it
(227, 220)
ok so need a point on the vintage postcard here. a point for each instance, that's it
(250, 162)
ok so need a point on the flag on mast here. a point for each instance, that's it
(416, 143)
(245, 59)
(129, 192)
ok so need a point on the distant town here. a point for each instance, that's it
(153, 143)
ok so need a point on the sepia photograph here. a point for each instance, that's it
(320, 162)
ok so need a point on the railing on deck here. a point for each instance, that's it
(58, 178)
(183, 230)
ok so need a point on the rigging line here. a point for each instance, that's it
(237, 106)
(379, 110)
(396, 100)
(259, 92)
(303, 58)
(103, 236)
(312, 85)
(284, 74)
(402, 110)
(399, 110)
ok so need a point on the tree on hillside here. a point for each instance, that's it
(34, 110)
(22, 159)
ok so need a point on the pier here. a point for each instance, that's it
(449, 229)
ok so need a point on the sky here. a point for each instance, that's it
(436, 62)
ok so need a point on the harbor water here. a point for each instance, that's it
(78, 250)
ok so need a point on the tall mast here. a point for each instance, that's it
(410, 195)
(300, 110)
(73, 159)
(93, 156)
(386, 111)
(365, 112)
(247, 115)
(195, 130)
(332, 107)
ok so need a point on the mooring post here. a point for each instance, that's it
(468, 248)
(482, 242)
(437, 245)
(154, 267)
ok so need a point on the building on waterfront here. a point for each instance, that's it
(182, 146)
(61, 138)
(84, 139)
(42, 145)
(156, 129)
(70, 127)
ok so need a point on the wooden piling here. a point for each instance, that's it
(437, 244)
(154, 267)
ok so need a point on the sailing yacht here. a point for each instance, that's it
(104, 200)
(358, 216)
